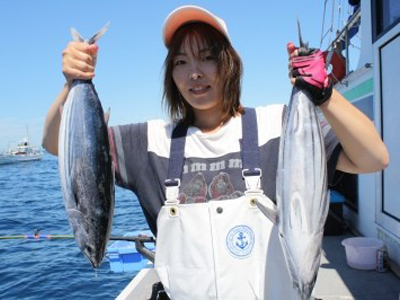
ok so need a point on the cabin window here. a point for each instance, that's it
(386, 15)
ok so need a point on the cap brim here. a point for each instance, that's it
(189, 14)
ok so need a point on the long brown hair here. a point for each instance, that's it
(229, 71)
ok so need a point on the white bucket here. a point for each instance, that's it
(361, 252)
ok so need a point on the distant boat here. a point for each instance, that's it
(23, 152)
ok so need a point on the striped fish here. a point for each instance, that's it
(302, 195)
(85, 167)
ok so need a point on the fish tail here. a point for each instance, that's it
(78, 37)
(99, 34)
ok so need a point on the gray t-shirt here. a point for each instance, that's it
(213, 165)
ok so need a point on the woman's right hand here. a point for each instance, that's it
(79, 61)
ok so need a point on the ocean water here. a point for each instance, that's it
(30, 199)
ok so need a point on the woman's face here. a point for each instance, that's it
(195, 73)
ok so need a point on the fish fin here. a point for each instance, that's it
(107, 116)
(270, 212)
(99, 34)
(76, 35)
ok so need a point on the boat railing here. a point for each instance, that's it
(343, 36)
(344, 61)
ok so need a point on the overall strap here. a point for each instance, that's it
(251, 171)
(177, 152)
(176, 162)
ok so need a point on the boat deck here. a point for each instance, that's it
(336, 281)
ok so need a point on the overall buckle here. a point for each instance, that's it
(172, 191)
(252, 179)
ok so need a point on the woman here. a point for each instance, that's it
(203, 158)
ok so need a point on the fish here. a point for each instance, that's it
(302, 193)
(85, 166)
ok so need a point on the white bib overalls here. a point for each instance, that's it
(226, 250)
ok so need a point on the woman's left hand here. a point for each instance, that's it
(307, 71)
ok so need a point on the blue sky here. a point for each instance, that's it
(129, 69)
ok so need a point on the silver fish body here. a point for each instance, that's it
(85, 170)
(302, 195)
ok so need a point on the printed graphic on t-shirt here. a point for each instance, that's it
(195, 191)
(220, 188)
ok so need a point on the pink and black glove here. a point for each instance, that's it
(308, 70)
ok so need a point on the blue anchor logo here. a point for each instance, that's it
(241, 243)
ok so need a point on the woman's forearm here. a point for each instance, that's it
(363, 149)
(52, 123)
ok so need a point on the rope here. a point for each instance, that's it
(340, 14)
(323, 25)
(332, 18)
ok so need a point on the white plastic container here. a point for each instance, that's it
(361, 252)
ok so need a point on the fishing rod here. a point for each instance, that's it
(35, 237)
(140, 238)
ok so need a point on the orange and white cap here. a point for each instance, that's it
(189, 14)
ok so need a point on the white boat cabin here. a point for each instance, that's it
(370, 47)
